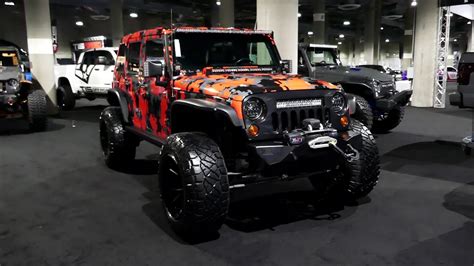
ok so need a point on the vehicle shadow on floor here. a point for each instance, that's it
(83, 113)
(268, 212)
(255, 213)
(20, 127)
(437, 159)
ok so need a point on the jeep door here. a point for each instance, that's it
(133, 82)
(155, 93)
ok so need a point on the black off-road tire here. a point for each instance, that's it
(118, 145)
(37, 111)
(363, 111)
(362, 175)
(391, 121)
(193, 184)
(65, 97)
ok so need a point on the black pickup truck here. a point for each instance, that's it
(379, 105)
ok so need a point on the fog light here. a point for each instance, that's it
(253, 130)
(344, 121)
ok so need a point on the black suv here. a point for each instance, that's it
(379, 105)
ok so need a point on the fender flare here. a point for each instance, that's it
(367, 91)
(206, 105)
(115, 98)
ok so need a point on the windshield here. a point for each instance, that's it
(376, 67)
(8, 58)
(321, 56)
(195, 51)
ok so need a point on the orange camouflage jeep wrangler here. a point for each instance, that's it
(225, 112)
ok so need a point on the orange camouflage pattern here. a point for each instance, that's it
(150, 104)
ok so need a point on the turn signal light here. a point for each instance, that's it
(344, 121)
(253, 130)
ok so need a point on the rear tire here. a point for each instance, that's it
(362, 175)
(118, 145)
(390, 121)
(193, 184)
(363, 112)
(37, 111)
(65, 97)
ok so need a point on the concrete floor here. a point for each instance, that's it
(60, 205)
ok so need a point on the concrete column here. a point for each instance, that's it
(319, 21)
(407, 60)
(40, 45)
(425, 53)
(226, 13)
(372, 32)
(116, 20)
(470, 40)
(281, 16)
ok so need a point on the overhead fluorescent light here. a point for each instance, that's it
(133, 15)
(387, 40)
(299, 15)
(218, 3)
(346, 23)
(310, 33)
(341, 36)
(381, 28)
(339, 43)
(9, 3)
(414, 3)
(79, 23)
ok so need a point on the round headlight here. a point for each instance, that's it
(376, 86)
(254, 109)
(338, 102)
(13, 83)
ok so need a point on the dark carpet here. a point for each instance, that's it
(60, 205)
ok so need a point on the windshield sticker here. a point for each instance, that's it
(177, 48)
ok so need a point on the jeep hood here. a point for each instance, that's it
(7, 73)
(340, 74)
(238, 86)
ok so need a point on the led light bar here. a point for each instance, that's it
(298, 103)
(222, 30)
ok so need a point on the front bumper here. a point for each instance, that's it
(316, 151)
(399, 99)
(9, 106)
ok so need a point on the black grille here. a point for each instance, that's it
(292, 118)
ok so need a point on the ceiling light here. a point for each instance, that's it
(339, 43)
(133, 15)
(299, 15)
(381, 28)
(9, 3)
(387, 40)
(451, 14)
(79, 23)
(414, 3)
(455, 40)
(469, 23)
(346, 23)
(218, 2)
(341, 36)
(310, 33)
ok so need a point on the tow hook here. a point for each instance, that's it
(322, 142)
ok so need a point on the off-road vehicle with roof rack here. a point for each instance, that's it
(18, 97)
(226, 114)
(378, 104)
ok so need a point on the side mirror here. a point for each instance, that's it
(153, 69)
(286, 66)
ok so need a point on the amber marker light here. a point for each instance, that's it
(253, 130)
(344, 121)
